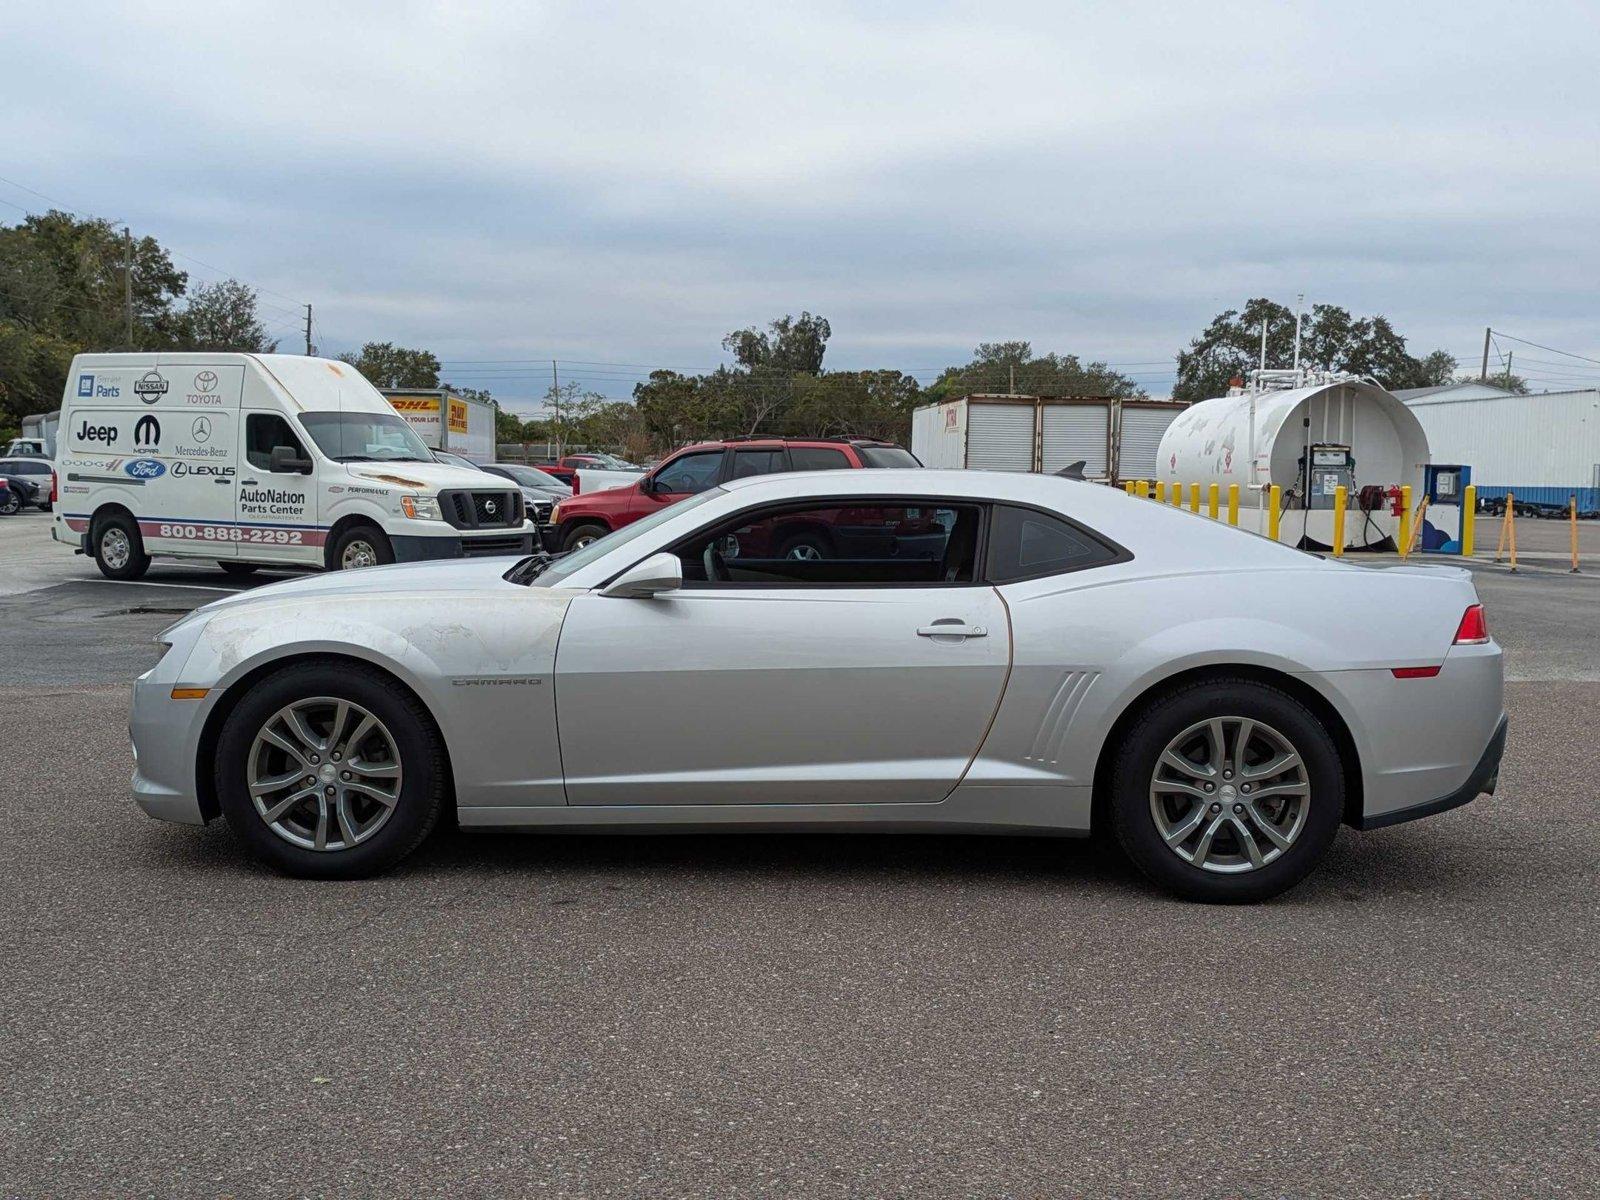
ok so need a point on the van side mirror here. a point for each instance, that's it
(284, 461)
(658, 573)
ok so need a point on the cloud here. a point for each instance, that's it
(625, 182)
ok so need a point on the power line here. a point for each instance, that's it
(1551, 349)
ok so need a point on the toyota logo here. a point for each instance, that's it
(205, 381)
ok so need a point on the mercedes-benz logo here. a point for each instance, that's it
(205, 381)
(202, 426)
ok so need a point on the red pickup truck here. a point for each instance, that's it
(694, 469)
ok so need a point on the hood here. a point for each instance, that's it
(394, 582)
(426, 476)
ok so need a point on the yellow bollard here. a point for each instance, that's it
(1340, 495)
(1572, 517)
(1469, 519)
(1505, 529)
(1161, 492)
(1211, 502)
(1177, 495)
(1142, 489)
(1194, 497)
(1403, 542)
(1233, 504)
(1274, 510)
(1127, 486)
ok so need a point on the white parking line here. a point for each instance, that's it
(190, 587)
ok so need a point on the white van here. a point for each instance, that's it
(257, 459)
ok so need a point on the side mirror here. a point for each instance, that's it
(647, 484)
(284, 461)
(658, 573)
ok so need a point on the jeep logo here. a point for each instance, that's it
(97, 433)
(145, 468)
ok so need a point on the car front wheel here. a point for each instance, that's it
(330, 771)
(581, 534)
(1227, 791)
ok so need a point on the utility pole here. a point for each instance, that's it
(310, 349)
(555, 398)
(1509, 355)
(1013, 384)
(1483, 375)
(1299, 307)
(127, 279)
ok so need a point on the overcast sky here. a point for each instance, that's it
(619, 183)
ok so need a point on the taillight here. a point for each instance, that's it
(55, 496)
(1474, 627)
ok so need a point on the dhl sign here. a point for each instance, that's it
(458, 415)
(422, 404)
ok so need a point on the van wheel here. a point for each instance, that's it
(360, 546)
(581, 534)
(238, 569)
(118, 548)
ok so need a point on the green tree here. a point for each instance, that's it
(1330, 340)
(790, 345)
(385, 365)
(1001, 367)
(222, 316)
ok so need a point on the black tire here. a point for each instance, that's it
(12, 503)
(425, 771)
(806, 544)
(353, 542)
(1165, 720)
(238, 569)
(108, 550)
(581, 534)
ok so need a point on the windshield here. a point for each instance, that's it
(529, 477)
(564, 566)
(365, 437)
(887, 456)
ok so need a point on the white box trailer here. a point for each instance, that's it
(38, 438)
(446, 420)
(1114, 439)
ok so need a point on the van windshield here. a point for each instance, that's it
(365, 437)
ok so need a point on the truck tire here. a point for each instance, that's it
(360, 546)
(118, 547)
(581, 534)
(806, 544)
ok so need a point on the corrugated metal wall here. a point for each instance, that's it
(1544, 440)
(1074, 431)
(1000, 436)
(1140, 438)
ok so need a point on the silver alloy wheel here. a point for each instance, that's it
(324, 773)
(115, 548)
(358, 552)
(11, 503)
(1230, 794)
(583, 539)
(805, 551)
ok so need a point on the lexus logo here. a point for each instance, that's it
(146, 431)
(201, 430)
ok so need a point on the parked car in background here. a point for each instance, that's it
(10, 500)
(1014, 653)
(40, 473)
(541, 493)
(697, 468)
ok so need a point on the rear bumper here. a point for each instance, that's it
(410, 548)
(1482, 780)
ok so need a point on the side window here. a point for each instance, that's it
(690, 473)
(817, 458)
(848, 544)
(262, 432)
(756, 462)
(1024, 544)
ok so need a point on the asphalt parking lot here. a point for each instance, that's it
(828, 1016)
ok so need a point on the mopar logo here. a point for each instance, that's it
(85, 385)
(146, 431)
(145, 468)
(150, 387)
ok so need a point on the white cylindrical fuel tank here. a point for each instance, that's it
(1211, 441)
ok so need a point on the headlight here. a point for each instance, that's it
(420, 508)
(555, 512)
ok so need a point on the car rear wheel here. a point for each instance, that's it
(10, 503)
(118, 547)
(581, 534)
(809, 547)
(1227, 791)
(329, 771)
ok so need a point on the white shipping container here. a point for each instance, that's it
(448, 421)
(1030, 433)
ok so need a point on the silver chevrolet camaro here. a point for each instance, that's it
(963, 651)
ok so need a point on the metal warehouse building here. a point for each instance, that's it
(1545, 446)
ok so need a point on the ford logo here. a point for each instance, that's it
(146, 468)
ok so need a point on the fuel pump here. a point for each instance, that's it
(1331, 467)
(1445, 486)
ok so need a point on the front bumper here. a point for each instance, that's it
(414, 548)
(1482, 780)
(166, 735)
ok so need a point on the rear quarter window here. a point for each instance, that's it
(1027, 544)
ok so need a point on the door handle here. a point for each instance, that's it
(252, 482)
(952, 629)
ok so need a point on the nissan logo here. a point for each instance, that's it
(489, 507)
